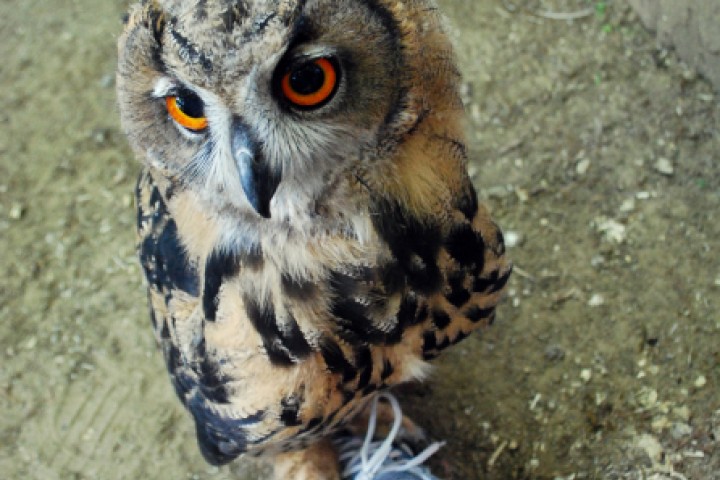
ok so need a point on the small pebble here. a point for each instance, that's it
(612, 230)
(497, 191)
(628, 205)
(647, 397)
(659, 424)
(583, 166)
(31, 343)
(100, 136)
(16, 211)
(596, 300)
(706, 97)
(586, 375)
(522, 195)
(652, 447)
(701, 381)
(689, 75)
(680, 430)
(682, 413)
(664, 166)
(555, 353)
(513, 239)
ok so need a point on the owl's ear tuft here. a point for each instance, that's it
(155, 20)
(148, 16)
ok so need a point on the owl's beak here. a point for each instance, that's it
(258, 179)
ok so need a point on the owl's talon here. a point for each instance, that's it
(410, 433)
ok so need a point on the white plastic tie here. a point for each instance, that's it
(365, 460)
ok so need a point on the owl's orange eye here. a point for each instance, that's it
(312, 84)
(188, 110)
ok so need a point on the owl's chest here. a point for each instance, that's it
(293, 297)
(304, 340)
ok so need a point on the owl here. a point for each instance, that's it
(307, 226)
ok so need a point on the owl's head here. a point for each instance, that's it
(262, 107)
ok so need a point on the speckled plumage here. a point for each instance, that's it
(374, 254)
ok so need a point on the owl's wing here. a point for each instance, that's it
(474, 272)
(452, 265)
(249, 382)
(169, 273)
(175, 310)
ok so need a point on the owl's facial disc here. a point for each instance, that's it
(266, 114)
(259, 181)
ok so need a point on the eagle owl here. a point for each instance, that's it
(308, 229)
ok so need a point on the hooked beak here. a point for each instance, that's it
(258, 179)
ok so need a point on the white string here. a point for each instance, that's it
(365, 460)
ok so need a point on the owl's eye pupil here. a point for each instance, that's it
(188, 110)
(307, 79)
(311, 84)
(190, 104)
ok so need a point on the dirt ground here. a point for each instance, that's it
(599, 153)
(691, 27)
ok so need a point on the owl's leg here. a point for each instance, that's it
(317, 462)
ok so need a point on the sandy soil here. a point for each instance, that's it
(599, 154)
(691, 27)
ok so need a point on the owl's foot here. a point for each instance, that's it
(410, 433)
(317, 462)
(393, 445)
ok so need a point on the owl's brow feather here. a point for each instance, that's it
(192, 53)
(188, 51)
